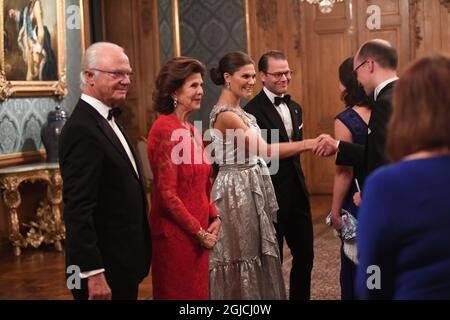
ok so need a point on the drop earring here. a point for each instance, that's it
(175, 103)
(228, 85)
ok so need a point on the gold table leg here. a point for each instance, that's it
(12, 200)
(54, 194)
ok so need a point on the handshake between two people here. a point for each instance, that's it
(324, 146)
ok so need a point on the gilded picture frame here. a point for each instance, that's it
(32, 48)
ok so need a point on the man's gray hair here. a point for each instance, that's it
(92, 55)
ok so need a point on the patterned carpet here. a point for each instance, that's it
(325, 276)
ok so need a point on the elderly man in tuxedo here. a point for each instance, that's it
(375, 66)
(105, 211)
(274, 109)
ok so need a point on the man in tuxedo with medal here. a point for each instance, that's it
(274, 109)
(105, 208)
(375, 67)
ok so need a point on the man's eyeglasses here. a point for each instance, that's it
(279, 75)
(360, 65)
(117, 74)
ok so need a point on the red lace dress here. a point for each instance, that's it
(180, 206)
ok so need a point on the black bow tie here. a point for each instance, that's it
(114, 112)
(286, 99)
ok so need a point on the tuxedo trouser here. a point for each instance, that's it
(121, 289)
(295, 225)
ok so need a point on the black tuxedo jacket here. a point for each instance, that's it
(105, 209)
(290, 168)
(373, 154)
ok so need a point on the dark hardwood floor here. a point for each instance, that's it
(38, 274)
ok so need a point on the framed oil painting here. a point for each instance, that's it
(32, 48)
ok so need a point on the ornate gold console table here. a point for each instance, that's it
(10, 180)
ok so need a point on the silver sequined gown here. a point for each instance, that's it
(245, 263)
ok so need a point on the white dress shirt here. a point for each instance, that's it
(381, 86)
(283, 110)
(103, 110)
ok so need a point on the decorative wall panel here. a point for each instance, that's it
(165, 30)
(208, 30)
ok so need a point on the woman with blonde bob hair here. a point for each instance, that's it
(404, 220)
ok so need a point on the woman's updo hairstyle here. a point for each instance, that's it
(230, 63)
(354, 93)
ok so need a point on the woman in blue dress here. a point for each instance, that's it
(350, 125)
